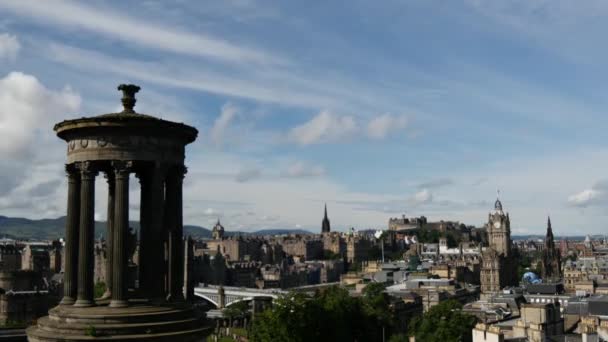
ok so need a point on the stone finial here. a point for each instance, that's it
(128, 96)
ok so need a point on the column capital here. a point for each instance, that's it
(71, 169)
(122, 168)
(178, 171)
(87, 169)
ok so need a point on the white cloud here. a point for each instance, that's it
(302, 169)
(227, 115)
(79, 15)
(9, 46)
(598, 194)
(27, 106)
(211, 212)
(423, 196)
(584, 198)
(324, 127)
(381, 126)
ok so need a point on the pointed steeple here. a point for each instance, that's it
(325, 227)
(549, 242)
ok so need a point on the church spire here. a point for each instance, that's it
(325, 227)
(549, 230)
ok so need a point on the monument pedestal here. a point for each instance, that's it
(138, 322)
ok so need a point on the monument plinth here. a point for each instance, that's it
(118, 145)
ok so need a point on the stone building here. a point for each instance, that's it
(217, 233)
(357, 248)
(239, 248)
(35, 257)
(584, 270)
(23, 296)
(404, 223)
(304, 247)
(551, 259)
(499, 264)
(243, 274)
(10, 257)
(333, 243)
(537, 323)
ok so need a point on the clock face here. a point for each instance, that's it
(496, 224)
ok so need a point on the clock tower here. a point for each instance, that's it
(499, 262)
(499, 230)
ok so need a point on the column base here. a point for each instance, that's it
(84, 303)
(135, 323)
(115, 303)
(67, 301)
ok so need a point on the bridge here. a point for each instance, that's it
(224, 296)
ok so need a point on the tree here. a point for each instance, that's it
(444, 322)
(238, 309)
(377, 306)
(399, 338)
(330, 315)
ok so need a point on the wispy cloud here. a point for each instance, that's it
(380, 126)
(218, 131)
(81, 16)
(594, 196)
(195, 77)
(324, 127)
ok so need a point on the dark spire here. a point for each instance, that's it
(325, 227)
(549, 242)
(549, 230)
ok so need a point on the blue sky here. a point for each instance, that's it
(405, 107)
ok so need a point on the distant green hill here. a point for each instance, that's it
(48, 229)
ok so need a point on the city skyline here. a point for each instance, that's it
(425, 108)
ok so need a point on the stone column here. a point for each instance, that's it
(70, 282)
(156, 281)
(121, 229)
(189, 281)
(86, 246)
(109, 235)
(176, 261)
(145, 265)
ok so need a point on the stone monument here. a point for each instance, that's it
(118, 145)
